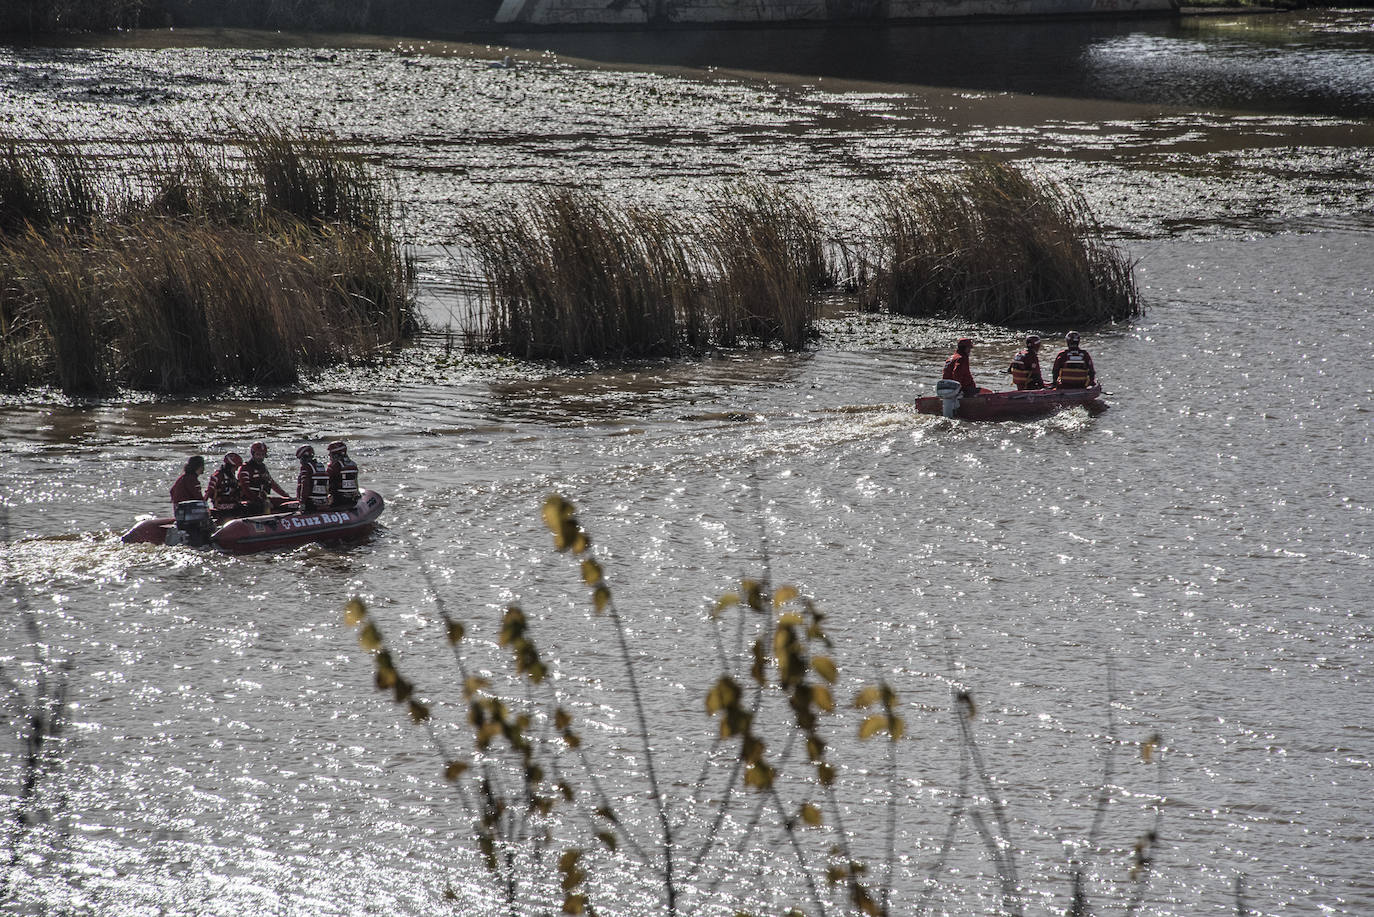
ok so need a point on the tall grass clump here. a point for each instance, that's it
(570, 277)
(46, 185)
(766, 255)
(207, 272)
(311, 179)
(790, 808)
(996, 245)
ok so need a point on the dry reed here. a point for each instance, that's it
(767, 255)
(995, 245)
(571, 277)
(214, 274)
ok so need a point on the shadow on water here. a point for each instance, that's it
(1310, 62)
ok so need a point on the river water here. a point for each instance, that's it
(1192, 561)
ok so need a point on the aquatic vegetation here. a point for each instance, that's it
(772, 793)
(48, 185)
(571, 276)
(996, 245)
(199, 272)
(767, 258)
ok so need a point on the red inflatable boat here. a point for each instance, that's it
(268, 532)
(1005, 405)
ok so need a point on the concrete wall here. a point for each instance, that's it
(662, 12)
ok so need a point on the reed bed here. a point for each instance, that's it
(571, 277)
(46, 185)
(766, 252)
(995, 245)
(210, 274)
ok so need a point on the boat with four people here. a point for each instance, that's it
(195, 526)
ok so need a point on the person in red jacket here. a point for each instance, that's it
(256, 484)
(222, 490)
(1073, 367)
(312, 483)
(1025, 366)
(187, 487)
(343, 476)
(957, 366)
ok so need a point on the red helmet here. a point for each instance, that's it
(233, 458)
(305, 452)
(337, 446)
(964, 344)
(257, 449)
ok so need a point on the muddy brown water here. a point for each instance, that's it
(1206, 538)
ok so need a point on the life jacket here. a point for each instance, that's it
(343, 478)
(1024, 368)
(223, 488)
(312, 485)
(255, 482)
(1074, 371)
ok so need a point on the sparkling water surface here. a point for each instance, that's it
(1195, 559)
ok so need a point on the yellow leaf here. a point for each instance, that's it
(607, 838)
(729, 600)
(556, 511)
(821, 697)
(1151, 745)
(418, 711)
(354, 612)
(369, 638)
(824, 666)
(872, 725)
(591, 572)
(562, 719)
(575, 904)
(454, 769)
(784, 595)
(790, 619)
(897, 727)
(579, 543)
(811, 814)
(474, 684)
(867, 697)
(455, 631)
(601, 597)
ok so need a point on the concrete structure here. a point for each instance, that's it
(632, 13)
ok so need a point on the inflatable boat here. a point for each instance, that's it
(950, 402)
(193, 525)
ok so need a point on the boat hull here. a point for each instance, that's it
(274, 531)
(1014, 404)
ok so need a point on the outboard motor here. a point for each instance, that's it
(192, 523)
(949, 392)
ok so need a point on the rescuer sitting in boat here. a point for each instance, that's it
(1025, 366)
(312, 484)
(343, 476)
(957, 367)
(187, 486)
(256, 483)
(1073, 367)
(222, 490)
